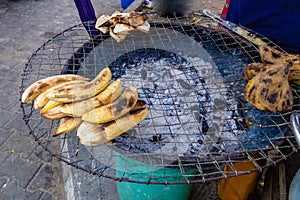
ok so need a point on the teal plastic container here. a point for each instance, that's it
(136, 170)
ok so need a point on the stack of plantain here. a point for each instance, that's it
(119, 25)
(268, 83)
(98, 108)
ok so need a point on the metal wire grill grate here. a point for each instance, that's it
(190, 76)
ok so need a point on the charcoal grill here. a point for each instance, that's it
(190, 75)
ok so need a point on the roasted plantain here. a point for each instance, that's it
(77, 109)
(116, 109)
(83, 91)
(270, 90)
(31, 92)
(91, 134)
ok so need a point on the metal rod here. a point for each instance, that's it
(296, 126)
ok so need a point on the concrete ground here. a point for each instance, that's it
(26, 170)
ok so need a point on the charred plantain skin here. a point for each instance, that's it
(139, 105)
(91, 134)
(31, 92)
(112, 111)
(84, 91)
(252, 70)
(274, 56)
(271, 56)
(270, 90)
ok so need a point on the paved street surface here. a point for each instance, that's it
(26, 170)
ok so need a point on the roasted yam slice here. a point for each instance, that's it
(136, 18)
(144, 27)
(118, 37)
(102, 21)
(123, 29)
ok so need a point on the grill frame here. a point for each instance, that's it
(211, 169)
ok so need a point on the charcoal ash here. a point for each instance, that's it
(186, 109)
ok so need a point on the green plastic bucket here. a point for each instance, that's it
(138, 171)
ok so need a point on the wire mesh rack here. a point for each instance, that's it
(190, 75)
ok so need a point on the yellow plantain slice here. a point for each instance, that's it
(49, 105)
(77, 109)
(144, 27)
(42, 99)
(54, 113)
(139, 105)
(123, 29)
(67, 125)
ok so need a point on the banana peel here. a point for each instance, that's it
(137, 18)
(144, 27)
